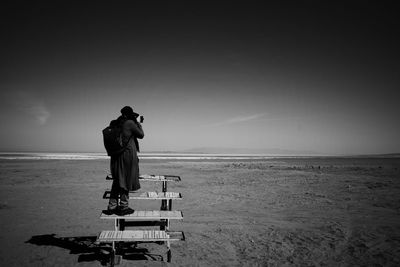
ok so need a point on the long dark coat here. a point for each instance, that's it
(125, 167)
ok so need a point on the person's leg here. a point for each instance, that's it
(124, 203)
(124, 199)
(113, 202)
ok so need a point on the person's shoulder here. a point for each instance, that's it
(129, 123)
(113, 123)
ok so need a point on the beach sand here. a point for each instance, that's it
(278, 212)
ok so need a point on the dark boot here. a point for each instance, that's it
(122, 211)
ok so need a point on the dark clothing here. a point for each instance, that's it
(123, 197)
(119, 123)
(125, 167)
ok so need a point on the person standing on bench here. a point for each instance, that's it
(125, 166)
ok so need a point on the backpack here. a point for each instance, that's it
(112, 140)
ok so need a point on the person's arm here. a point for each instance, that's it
(135, 128)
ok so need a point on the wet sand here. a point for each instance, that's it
(278, 212)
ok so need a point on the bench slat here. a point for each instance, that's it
(142, 215)
(139, 235)
(154, 178)
(149, 195)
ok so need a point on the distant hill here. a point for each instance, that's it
(387, 155)
(264, 151)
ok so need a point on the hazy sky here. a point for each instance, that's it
(298, 77)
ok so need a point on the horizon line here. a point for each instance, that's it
(207, 153)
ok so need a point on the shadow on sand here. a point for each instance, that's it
(88, 250)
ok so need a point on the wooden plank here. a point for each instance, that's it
(142, 215)
(156, 213)
(141, 223)
(154, 178)
(139, 236)
(172, 195)
(149, 195)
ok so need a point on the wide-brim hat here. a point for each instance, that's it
(128, 111)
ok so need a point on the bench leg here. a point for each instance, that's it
(164, 204)
(169, 255)
(112, 255)
(117, 259)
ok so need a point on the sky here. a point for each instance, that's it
(308, 76)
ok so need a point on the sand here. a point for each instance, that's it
(282, 212)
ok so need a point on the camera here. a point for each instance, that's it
(138, 118)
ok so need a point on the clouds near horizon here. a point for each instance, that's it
(238, 119)
(29, 104)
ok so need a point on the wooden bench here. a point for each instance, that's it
(147, 215)
(154, 178)
(147, 218)
(166, 203)
(139, 236)
(149, 195)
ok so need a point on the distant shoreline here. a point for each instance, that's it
(173, 156)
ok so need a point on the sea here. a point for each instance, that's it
(183, 156)
(152, 156)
